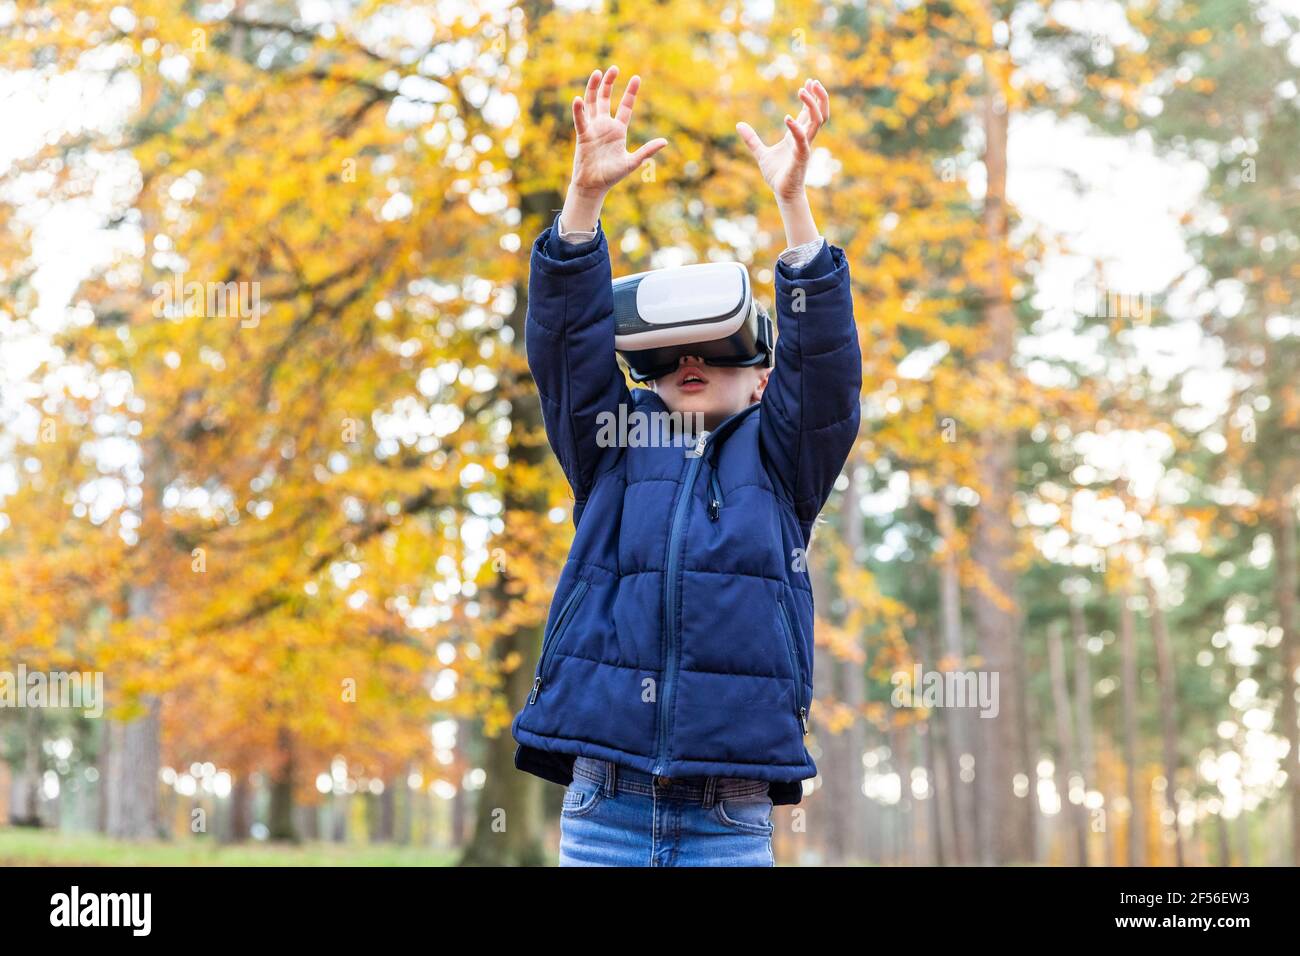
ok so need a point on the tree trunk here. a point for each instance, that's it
(1031, 818)
(1284, 592)
(1083, 708)
(6, 789)
(1067, 748)
(929, 760)
(853, 689)
(388, 812)
(311, 822)
(461, 808)
(1242, 830)
(404, 818)
(131, 787)
(340, 805)
(941, 763)
(1224, 845)
(900, 747)
(1004, 816)
(874, 824)
(282, 787)
(1168, 712)
(957, 721)
(1129, 678)
(241, 807)
(25, 791)
(839, 767)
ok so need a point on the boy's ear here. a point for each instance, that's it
(757, 394)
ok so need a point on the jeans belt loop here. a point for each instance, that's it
(710, 786)
(611, 778)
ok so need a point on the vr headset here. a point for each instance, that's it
(707, 310)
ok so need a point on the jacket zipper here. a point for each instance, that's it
(670, 598)
(557, 632)
(794, 667)
(670, 579)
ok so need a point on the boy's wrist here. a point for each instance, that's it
(582, 208)
(595, 195)
(796, 215)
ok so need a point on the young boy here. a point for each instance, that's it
(673, 690)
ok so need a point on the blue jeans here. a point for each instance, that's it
(616, 816)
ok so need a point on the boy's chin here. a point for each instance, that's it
(691, 403)
(711, 412)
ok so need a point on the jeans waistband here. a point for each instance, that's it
(702, 790)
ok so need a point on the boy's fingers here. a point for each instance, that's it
(825, 99)
(606, 91)
(749, 138)
(629, 100)
(593, 82)
(579, 116)
(801, 120)
(800, 137)
(813, 108)
(803, 116)
(648, 150)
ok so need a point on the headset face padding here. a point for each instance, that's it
(706, 310)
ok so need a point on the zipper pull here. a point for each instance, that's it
(803, 720)
(537, 685)
(698, 449)
(715, 495)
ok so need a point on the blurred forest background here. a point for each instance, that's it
(311, 546)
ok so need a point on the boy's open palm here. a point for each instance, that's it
(785, 164)
(600, 158)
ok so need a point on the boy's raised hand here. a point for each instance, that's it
(600, 158)
(785, 164)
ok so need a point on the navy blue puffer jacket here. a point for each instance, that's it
(680, 639)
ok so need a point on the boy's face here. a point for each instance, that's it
(714, 391)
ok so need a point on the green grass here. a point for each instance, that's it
(24, 847)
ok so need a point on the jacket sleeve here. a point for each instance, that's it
(811, 405)
(569, 341)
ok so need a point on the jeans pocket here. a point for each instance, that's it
(582, 796)
(747, 814)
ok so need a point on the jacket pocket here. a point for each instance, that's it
(552, 640)
(801, 708)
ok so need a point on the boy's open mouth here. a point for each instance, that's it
(691, 381)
